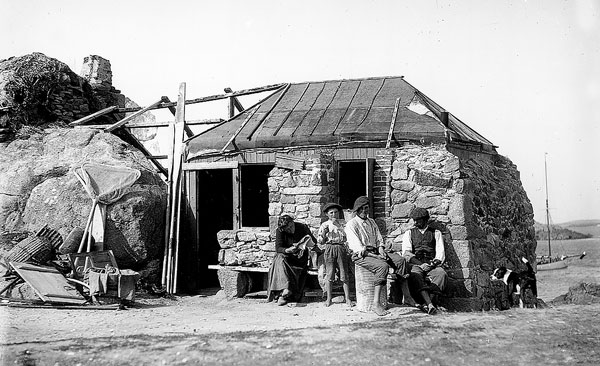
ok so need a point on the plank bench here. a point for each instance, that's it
(240, 281)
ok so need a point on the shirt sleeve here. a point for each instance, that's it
(354, 242)
(378, 236)
(440, 251)
(407, 248)
(322, 232)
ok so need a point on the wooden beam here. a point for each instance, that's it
(130, 117)
(128, 137)
(93, 115)
(175, 173)
(209, 121)
(235, 101)
(259, 124)
(237, 132)
(211, 165)
(210, 98)
(173, 110)
(392, 124)
(236, 198)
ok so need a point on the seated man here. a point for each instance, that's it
(368, 250)
(423, 247)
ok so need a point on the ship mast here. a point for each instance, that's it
(547, 209)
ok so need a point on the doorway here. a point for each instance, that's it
(351, 182)
(214, 202)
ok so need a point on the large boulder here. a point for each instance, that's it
(37, 187)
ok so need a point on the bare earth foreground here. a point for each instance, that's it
(210, 330)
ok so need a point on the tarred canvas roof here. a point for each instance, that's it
(330, 112)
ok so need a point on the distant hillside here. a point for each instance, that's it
(559, 232)
(590, 227)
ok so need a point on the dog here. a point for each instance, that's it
(521, 285)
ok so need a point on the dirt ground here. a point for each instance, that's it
(209, 330)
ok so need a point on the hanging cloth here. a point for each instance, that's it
(106, 184)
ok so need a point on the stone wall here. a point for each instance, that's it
(302, 193)
(246, 247)
(478, 203)
(476, 200)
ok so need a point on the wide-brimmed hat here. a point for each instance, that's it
(331, 205)
(419, 213)
(360, 202)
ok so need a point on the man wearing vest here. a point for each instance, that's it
(423, 248)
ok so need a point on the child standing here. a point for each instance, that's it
(331, 235)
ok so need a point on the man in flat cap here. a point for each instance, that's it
(368, 250)
(423, 247)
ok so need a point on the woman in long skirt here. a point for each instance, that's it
(289, 269)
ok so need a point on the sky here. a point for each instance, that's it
(524, 74)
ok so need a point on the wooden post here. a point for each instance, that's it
(178, 228)
(233, 103)
(173, 110)
(175, 182)
(237, 205)
(392, 124)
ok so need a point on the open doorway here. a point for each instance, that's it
(214, 213)
(254, 195)
(351, 182)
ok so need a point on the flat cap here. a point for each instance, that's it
(419, 213)
(360, 202)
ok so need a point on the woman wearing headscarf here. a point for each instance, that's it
(289, 269)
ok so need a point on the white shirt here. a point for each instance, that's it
(363, 233)
(407, 247)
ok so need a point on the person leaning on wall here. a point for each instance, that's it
(423, 247)
(288, 272)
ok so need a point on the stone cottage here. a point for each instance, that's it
(314, 142)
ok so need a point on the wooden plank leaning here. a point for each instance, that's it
(175, 187)
(173, 110)
(131, 116)
(93, 116)
(392, 124)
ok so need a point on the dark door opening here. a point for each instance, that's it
(254, 195)
(214, 209)
(351, 182)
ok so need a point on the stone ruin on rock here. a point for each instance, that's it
(39, 96)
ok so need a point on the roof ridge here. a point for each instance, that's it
(353, 79)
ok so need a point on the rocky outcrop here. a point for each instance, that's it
(37, 187)
(36, 90)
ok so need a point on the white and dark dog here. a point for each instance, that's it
(521, 285)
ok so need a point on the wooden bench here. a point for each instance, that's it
(240, 281)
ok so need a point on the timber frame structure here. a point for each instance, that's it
(339, 128)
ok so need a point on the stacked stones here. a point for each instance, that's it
(98, 73)
(302, 193)
(246, 247)
(478, 203)
(68, 100)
